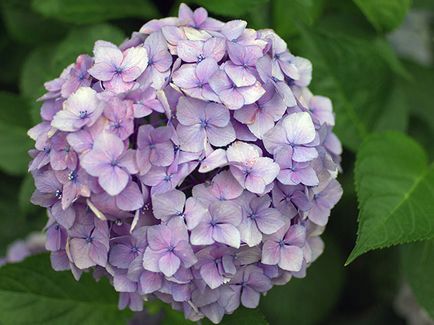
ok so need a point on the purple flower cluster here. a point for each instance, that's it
(190, 164)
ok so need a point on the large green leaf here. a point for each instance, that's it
(28, 27)
(81, 40)
(304, 11)
(309, 300)
(351, 68)
(14, 110)
(14, 223)
(384, 15)
(418, 265)
(32, 293)
(230, 8)
(395, 188)
(14, 143)
(95, 11)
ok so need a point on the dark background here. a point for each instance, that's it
(385, 72)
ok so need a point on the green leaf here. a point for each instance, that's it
(95, 11)
(14, 110)
(244, 316)
(309, 300)
(230, 8)
(32, 293)
(395, 188)
(14, 223)
(37, 70)
(302, 11)
(81, 40)
(28, 27)
(384, 15)
(14, 144)
(418, 265)
(351, 69)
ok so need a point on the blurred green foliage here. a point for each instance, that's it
(373, 89)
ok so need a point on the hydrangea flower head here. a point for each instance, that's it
(191, 164)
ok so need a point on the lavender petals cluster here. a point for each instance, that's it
(190, 164)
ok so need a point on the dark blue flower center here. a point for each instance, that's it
(118, 70)
(204, 123)
(200, 58)
(282, 243)
(89, 239)
(134, 250)
(253, 215)
(171, 248)
(83, 114)
(114, 163)
(72, 176)
(58, 194)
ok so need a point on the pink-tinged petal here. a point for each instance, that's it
(185, 253)
(249, 232)
(303, 154)
(226, 212)
(151, 259)
(291, 258)
(262, 124)
(154, 176)
(163, 154)
(159, 237)
(202, 235)
(122, 284)
(169, 263)
(195, 213)
(134, 63)
(274, 139)
(249, 297)
(299, 128)
(205, 70)
(190, 111)
(233, 29)
(166, 205)
(113, 180)
(319, 215)
(109, 144)
(189, 51)
(240, 75)
(211, 275)
(270, 252)
(94, 163)
(79, 250)
(150, 282)
(254, 184)
(128, 161)
(232, 98)
(130, 199)
(322, 110)
(215, 159)
(226, 234)
(266, 168)
(192, 138)
(120, 256)
(220, 137)
(185, 77)
(247, 114)
(286, 93)
(102, 71)
(307, 176)
(215, 47)
(98, 253)
(252, 93)
(217, 114)
(64, 121)
(65, 217)
(220, 82)
(225, 186)
(296, 235)
(270, 221)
